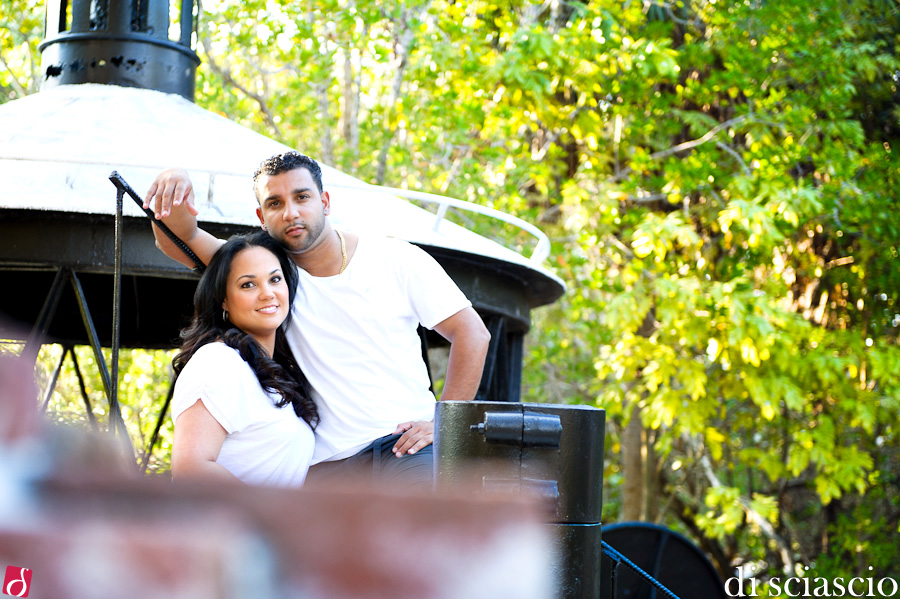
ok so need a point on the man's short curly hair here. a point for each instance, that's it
(288, 161)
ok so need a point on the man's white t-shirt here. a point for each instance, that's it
(265, 445)
(355, 337)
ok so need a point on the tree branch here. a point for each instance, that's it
(226, 76)
(15, 80)
(556, 135)
(321, 91)
(700, 140)
(401, 60)
(687, 515)
(752, 515)
(349, 117)
(688, 145)
(728, 149)
(648, 199)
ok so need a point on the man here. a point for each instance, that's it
(353, 333)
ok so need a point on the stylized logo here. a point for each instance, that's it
(17, 581)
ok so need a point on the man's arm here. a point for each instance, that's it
(469, 340)
(171, 197)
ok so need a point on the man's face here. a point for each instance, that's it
(292, 209)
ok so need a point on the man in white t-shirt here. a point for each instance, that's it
(355, 319)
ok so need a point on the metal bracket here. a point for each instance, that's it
(526, 429)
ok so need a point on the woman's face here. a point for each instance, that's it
(256, 296)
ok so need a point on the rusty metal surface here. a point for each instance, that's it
(100, 536)
(144, 536)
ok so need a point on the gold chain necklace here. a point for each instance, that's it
(343, 252)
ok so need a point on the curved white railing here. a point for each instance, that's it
(541, 249)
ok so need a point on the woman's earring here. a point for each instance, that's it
(225, 315)
(264, 228)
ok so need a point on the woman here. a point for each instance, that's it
(242, 407)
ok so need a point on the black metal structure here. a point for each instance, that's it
(657, 556)
(120, 43)
(612, 559)
(554, 454)
(122, 188)
(551, 452)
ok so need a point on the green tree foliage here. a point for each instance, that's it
(718, 180)
(21, 29)
(717, 177)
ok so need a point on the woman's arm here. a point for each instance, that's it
(198, 441)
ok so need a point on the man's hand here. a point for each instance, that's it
(170, 189)
(416, 435)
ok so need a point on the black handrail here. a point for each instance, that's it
(120, 184)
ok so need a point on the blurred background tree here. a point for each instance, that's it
(21, 30)
(717, 178)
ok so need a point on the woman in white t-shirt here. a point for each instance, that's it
(242, 407)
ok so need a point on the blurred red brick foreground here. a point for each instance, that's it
(71, 511)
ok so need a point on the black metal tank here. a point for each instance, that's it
(120, 43)
(550, 453)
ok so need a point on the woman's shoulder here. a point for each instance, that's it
(216, 354)
(218, 349)
(217, 375)
(215, 370)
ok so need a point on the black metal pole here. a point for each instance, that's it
(52, 385)
(159, 423)
(84, 393)
(657, 562)
(115, 416)
(48, 311)
(122, 186)
(613, 575)
(117, 316)
(91, 330)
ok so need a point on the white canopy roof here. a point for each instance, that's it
(58, 148)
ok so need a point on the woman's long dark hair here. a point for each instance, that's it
(280, 373)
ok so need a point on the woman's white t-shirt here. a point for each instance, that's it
(265, 445)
